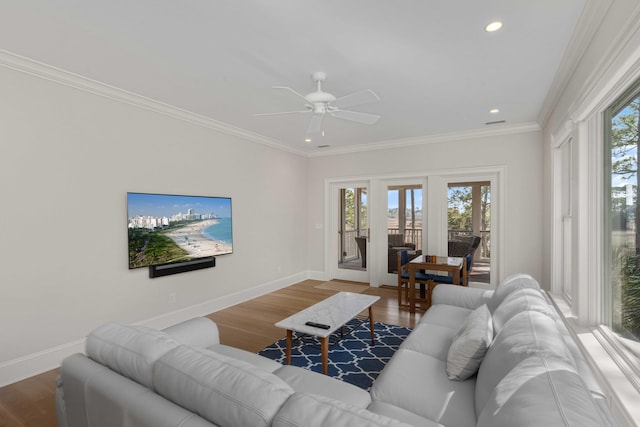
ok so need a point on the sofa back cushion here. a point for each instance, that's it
(312, 410)
(527, 334)
(542, 392)
(225, 391)
(518, 301)
(508, 285)
(196, 332)
(129, 350)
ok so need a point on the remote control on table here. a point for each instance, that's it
(318, 325)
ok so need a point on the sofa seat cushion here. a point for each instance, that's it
(470, 344)
(541, 392)
(418, 383)
(311, 410)
(445, 315)
(261, 362)
(128, 349)
(392, 411)
(527, 334)
(518, 301)
(305, 381)
(225, 391)
(432, 340)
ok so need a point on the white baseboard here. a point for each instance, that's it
(317, 275)
(220, 303)
(36, 363)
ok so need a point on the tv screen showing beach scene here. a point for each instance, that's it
(171, 228)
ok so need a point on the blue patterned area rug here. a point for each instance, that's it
(351, 359)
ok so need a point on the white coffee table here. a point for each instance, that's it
(334, 311)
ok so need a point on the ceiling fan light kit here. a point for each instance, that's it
(321, 103)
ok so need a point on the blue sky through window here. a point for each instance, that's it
(393, 199)
(618, 180)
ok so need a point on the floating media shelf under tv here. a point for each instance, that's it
(181, 267)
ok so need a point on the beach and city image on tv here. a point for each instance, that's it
(171, 228)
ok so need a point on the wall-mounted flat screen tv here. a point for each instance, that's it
(167, 228)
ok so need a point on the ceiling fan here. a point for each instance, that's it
(320, 103)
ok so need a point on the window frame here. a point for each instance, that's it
(585, 123)
(627, 361)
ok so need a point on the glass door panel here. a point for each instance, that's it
(404, 221)
(469, 218)
(353, 229)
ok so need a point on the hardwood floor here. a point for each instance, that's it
(249, 325)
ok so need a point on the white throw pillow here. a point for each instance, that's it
(470, 344)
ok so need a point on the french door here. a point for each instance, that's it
(367, 219)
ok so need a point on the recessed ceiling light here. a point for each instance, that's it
(307, 140)
(493, 26)
(494, 111)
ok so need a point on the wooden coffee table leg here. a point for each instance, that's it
(289, 339)
(373, 336)
(324, 347)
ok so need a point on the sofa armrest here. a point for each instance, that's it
(197, 332)
(460, 296)
(61, 410)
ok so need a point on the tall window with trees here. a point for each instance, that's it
(622, 221)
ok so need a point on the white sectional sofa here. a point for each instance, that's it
(513, 361)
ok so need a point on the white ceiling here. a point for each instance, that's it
(430, 61)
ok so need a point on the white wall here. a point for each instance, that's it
(520, 154)
(68, 158)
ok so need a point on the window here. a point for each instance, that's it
(622, 224)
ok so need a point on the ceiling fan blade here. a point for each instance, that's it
(315, 124)
(290, 90)
(356, 116)
(282, 112)
(357, 98)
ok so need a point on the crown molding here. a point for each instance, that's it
(586, 28)
(67, 78)
(63, 77)
(613, 69)
(434, 139)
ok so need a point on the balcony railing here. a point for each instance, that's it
(350, 247)
(414, 235)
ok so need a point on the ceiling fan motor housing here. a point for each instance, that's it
(319, 97)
